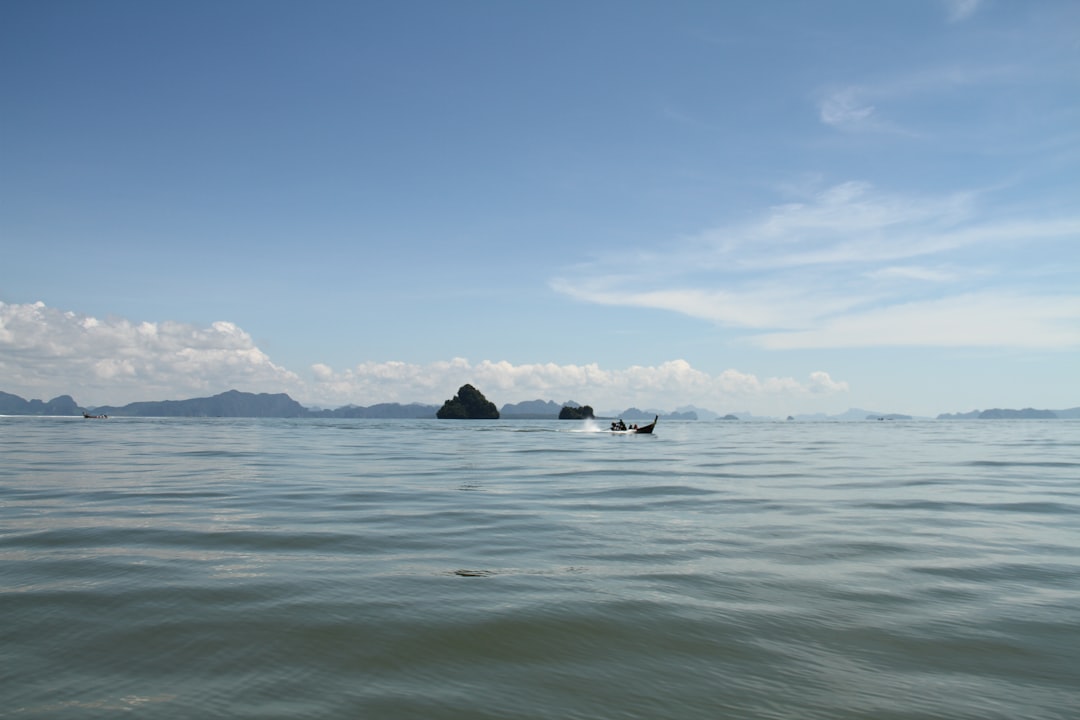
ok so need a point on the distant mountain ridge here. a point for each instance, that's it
(15, 405)
(262, 405)
(232, 403)
(235, 403)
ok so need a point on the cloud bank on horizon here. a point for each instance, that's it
(45, 352)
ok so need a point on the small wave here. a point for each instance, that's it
(1021, 463)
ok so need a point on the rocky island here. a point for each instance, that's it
(468, 404)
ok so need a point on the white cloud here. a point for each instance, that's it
(844, 266)
(45, 352)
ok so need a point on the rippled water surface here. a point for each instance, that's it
(184, 568)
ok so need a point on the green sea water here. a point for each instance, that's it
(528, 570)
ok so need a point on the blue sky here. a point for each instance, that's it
(775, 207)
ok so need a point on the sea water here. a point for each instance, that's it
(436, 570)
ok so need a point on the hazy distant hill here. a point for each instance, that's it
(534, 409)
(634, 413)
(386, 411)
(850, 415)
(15, 405)
(1007, 414)
(688, 415)
(698, 413)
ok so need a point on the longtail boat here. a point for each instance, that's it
(644, 429)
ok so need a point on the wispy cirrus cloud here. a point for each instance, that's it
(959, 10)
(854, 266)
(984, 319)
(877, 104)
(45, 352)
(913, 272)
(847, 109)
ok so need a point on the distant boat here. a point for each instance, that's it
(88, 416)
(643, 430)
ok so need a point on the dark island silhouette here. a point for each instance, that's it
(468, 404)
(569, 412)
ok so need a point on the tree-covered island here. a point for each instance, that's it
(576, 413)
(468, 404)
